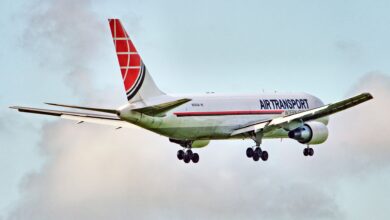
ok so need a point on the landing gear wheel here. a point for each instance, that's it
(305, 152)
(189, 153)
(264, 155)
(258, 151)
(256, 157)
(195, 158)
(180, 154)
(311, 151)
(249, 152)
(187, 158)
(308, 151)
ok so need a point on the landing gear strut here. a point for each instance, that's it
(255, 152)
(308, 151)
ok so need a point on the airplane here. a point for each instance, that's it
(193, 121)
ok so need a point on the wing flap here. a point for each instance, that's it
(254, 127)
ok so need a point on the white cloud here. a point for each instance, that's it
(359, 137)
(65, 35)
(99, 173)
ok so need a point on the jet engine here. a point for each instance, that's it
(310, 133)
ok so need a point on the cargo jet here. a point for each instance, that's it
(192, 121)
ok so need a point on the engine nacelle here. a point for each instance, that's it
(189, 143)
(200, 143)
(310, 133)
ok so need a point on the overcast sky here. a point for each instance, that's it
(61, 51)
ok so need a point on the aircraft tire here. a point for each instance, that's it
(305, 152)
(311, 151)
(186, 158)
(256, 157)
(249, 152)
(189, 153)
(264, 155)
(258, 151)
(180, 154)
(195, 157)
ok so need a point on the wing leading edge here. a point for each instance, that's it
(285, 121)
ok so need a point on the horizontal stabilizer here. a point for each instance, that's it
(160, 109)
(105, 110)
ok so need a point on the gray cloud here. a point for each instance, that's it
(359, 138)
(99, 173)
(65, 35)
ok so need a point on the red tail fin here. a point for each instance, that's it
(139, 85)
(132, 67)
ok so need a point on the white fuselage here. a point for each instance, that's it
(213, 116)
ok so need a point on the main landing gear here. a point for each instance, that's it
(308, 151)
(255, 152)
(188, 156)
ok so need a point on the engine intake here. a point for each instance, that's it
(310, 133)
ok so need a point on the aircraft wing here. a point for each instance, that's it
(104, 119)
(290, 121)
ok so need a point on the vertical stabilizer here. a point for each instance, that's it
(139, 85)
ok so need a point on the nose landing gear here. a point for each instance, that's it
(308, 151)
